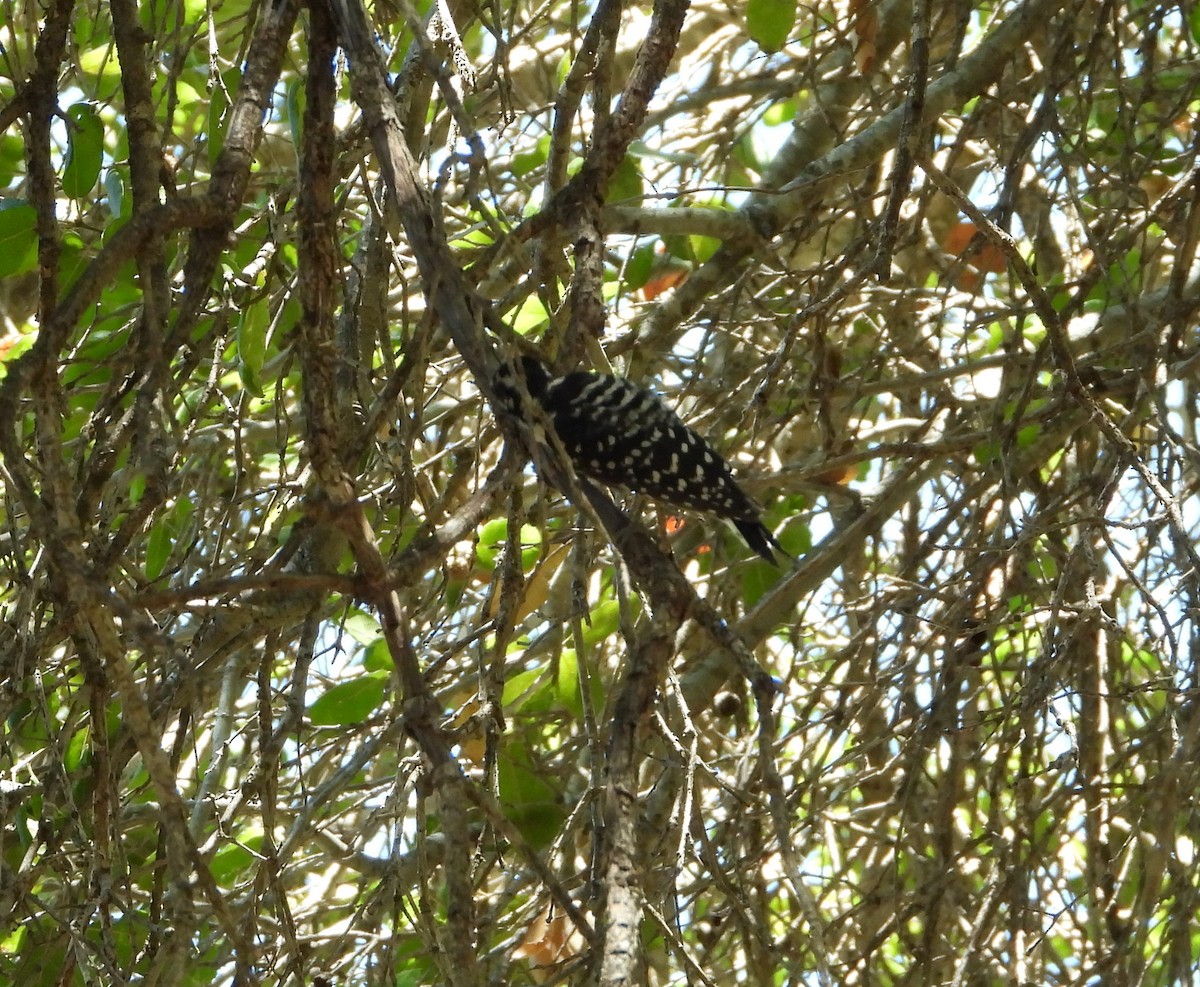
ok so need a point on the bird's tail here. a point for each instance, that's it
(759, 538)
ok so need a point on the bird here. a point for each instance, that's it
(622, 434)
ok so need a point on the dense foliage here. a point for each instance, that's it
(309, 677)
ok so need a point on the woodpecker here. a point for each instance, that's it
(622, 434)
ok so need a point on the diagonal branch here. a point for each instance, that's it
(770, 210)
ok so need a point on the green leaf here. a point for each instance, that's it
(770, 22)
(233, 860)
(362, 627)
(101, 63)
(378, 657)
(252, 344)
(524, 162)
(18, 238)
(16, 350)
(568, 683)
(745, 162)
(780, 113)
(158, 549)
(349, 702)
(626, 186)
(995, 337)
(639, 266)
(491, 539)
(516, 688)
(85, 150)
(164, 535)
(1028, 435)
(527, 799)
(530, 316)
(605, 619)
(12, 156)
(157, 15)
(758, 576)
(703, 247)
(987, 452)
(474, 238)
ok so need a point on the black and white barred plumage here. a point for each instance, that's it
(619, 433)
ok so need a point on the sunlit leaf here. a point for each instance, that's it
(779, 113)
(377, 656)
(350, 702)
(703, 247)
(517, 686)
(770, 22)
(493, 536)
(101, 62)
(362, 627)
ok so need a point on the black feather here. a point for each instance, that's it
(622, 434)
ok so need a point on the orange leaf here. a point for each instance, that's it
(665, 281)
(987, 258)
(838, 475)
(866, 27)
(550, 940)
